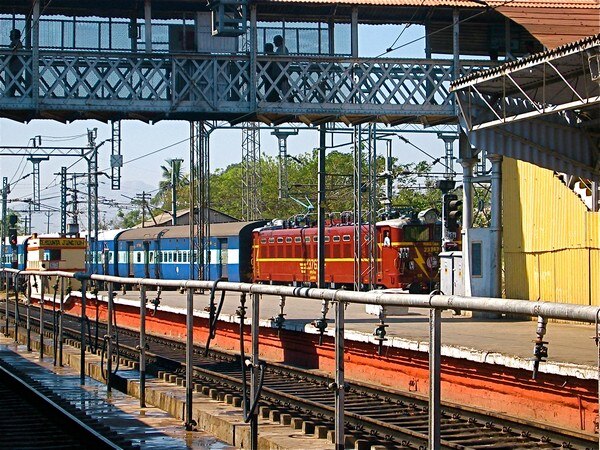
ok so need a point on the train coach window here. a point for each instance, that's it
(326, 238)
(336, 239)
(271, 240)
(297, 239)
(416, 233)
(307, 239)
(280, 240)
(185, 257)
(288, 240)
(170, 256)
(180, 256)
(263, 241)
(151, 256)
(138, 257)
(315, 238)
(346, 238)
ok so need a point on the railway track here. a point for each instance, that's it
(32, 417)
(373, 415)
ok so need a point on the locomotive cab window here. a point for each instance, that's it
(416, 233)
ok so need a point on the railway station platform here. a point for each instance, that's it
(486, 363)
(572, 351)
(145, 428)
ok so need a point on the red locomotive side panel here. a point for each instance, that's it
(406, 255)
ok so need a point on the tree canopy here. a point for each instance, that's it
(413, 186)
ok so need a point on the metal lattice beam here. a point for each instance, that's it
(251, 172)
(116, 159)
(221, 86)
(199, 201)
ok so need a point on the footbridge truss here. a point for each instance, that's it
(239, 88)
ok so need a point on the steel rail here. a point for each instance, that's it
(549, 310)
(97, 440)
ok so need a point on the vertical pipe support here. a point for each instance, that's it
(435, 351)
(28, 314)
(142, 346)
(495, 288)
(321, 209)
(6, 304)
(60, 321)
(15, 285)
(109, 336)
(189, 354)
(339, 376)
(82, 332)
(42, 322)
(254, 376)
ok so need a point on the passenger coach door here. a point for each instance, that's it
(130, 259)
(146, 259)
(224, 258)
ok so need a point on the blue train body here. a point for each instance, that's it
(164, 252)
(21, 253)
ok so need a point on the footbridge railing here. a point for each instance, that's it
(226, 86)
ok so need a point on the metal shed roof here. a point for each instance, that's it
(544, 109)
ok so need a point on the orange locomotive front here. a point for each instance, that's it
(406, 254)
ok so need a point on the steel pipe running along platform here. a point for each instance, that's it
(462, 377)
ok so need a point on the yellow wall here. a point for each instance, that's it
(551, 240)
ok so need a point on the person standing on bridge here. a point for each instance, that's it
(12, 76)
(283, 84)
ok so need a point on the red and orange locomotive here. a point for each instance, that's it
(406, 254)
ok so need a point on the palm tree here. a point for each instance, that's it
(171, 173)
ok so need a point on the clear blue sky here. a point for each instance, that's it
(139, 139)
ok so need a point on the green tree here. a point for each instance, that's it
(172, 171)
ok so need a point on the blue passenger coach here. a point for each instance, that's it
(163, 252)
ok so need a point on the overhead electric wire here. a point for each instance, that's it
(466, 19)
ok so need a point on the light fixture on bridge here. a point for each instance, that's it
(229, 17)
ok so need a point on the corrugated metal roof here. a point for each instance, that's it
(453, 3)
(182, 231)
(560, 52)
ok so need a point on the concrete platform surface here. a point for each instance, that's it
(572, 350)
(149, 428)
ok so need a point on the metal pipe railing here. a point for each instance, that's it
(433, 302)
(561, 311)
